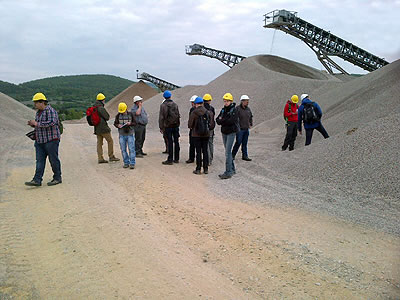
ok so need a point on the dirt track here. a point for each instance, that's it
(158, 232)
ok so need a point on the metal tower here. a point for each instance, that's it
(161, 84)
(228, 59)
(323, 43)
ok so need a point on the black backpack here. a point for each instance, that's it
(310, 113)
(203, 125)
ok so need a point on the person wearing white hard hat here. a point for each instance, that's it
(141, 119)
(191, 143)
(310, 114)
(245, 123)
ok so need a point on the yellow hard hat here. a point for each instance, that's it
(100, 97)
(228, 96)
(39, 96)
(207, 97)
(295, 99)
(122, 107)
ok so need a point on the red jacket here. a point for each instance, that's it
(288, 115)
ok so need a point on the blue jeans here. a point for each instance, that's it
(228, 140)
(242, 138)
(49, 149)
(123, 141)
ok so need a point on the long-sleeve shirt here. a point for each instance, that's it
(245, 117)
(141, 119)
(47, 129)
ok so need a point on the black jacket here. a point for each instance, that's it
(228, 119)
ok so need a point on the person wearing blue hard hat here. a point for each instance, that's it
(201, 121)
(169, 121)
(191, 144)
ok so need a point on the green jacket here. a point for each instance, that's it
(104, 117)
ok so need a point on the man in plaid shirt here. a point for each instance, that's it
(47, 140)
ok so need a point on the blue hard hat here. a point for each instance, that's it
(167, 94)
(198, 100)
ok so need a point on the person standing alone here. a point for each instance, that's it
(168, 122)
(47, 140)
(290, 115)
(102, 131)
(141, 119)
(245, 123)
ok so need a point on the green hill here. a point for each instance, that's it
(70, 95)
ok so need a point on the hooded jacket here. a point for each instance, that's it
(194, 118)
(300, 115)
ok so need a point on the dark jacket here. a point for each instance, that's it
(300, 115)
(194, 118)
(166, 119)
(209, 107)
(245, 117)
(121, 119)
(102, 127)
(228, 119)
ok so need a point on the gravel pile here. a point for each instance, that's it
(353, 175)
(140, 88)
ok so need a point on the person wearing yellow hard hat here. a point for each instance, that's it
(47, 140)
(229, 122)
(245, 123)
(207, 104)
(125, 122)
(103, 131)
(291, 118)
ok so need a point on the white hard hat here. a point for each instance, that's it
(137, 98)
(303, 96)
(193, 98)
(244, 97)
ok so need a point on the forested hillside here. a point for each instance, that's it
(70, 95)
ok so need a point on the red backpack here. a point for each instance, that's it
(92, 116)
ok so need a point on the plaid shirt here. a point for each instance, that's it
(47, 125)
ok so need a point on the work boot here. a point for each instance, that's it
(165, 152)
(167, 162)
(176, 161)
(131, 167)
(125, 166)
(205, 171)
(103, 161)
(197, 172)
(224, 176)
(189, 161)
(54, 182)
(246, 158)
(144, 154)
(139, 155)
(33, 183)
(113, 158)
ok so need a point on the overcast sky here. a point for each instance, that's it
(58, 37)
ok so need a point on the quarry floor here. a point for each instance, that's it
(159, 232)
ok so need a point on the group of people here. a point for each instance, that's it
(309, 113)
(235, 122)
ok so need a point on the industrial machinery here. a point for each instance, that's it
(323, 43)
(161, 84)
(228, 59)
